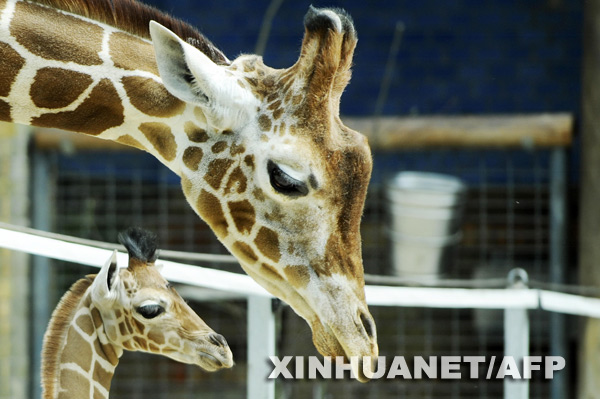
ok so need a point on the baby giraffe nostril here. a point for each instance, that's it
(217, 339)
(367, 324)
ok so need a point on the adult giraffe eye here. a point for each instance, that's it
(150, 311)
(284, 183)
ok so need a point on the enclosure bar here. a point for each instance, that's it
(516, 339)
(558, 212)
(496, 131)
(261, 345)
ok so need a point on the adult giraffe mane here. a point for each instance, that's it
(134, 17)
(59, 324)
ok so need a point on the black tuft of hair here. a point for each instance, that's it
(140, 244)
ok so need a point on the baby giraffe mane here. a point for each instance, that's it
(57, 329)
(134, 17)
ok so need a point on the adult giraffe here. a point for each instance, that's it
(262, 154)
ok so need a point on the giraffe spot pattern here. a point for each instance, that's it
(151, 97)
(5, 111)
(100, 111)
(264, 123)
(49, 90)
(217, 169)
(102, 376)
(84, 349)
(192, 157)
(56, 30)
(86, 324)
(139, 326)
(156, 337)
(131, 53)
(249, 161)
(237, 181)
(244, 252)
(73, 385)
(219, 147)
(267, 242)
(236, 149)
(195, 134)
(130, 141)
(243, 215)
(141, 342)
(10, 65)
(161, 138)
(297, 276)
(209, 207)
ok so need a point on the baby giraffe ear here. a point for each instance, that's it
(193, 77)
(104, 285)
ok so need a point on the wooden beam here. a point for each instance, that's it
(393, 133)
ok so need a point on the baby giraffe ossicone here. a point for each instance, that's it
(132, 308)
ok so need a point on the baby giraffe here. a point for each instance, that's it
(132, 309)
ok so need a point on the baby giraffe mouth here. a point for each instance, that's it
(215, 354)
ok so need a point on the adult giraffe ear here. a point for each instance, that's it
(105, 283)
(193, 77)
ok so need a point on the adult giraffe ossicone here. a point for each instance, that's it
(262, 154)
(133, 309)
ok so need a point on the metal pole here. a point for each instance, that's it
(516, 338)
(40, 273)
(558, 161)
(261, 345)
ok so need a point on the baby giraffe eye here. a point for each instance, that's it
(150, 311)
(284, 183)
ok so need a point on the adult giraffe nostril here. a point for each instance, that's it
(367, 323)
(217, 339)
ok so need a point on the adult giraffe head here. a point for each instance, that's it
(288, 198)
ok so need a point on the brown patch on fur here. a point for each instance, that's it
(56, 332)
(219, 147)
(244, 252)
(56, 31)
(102, 376)
(141, 342)
(5, 111)
(267, 242)
(123, 329)
(264, 123)
(243, 215)
(249, 161)
(195, 134)
(134, 17)
(161, 138)
(209, 207)
(297, 276)
(157, 337)
(192, 157)
(258, 194)
(237, 179)
(84, 355)
(57, 87)
(130, 141)
(10, 65)
(277, 113)
(151, 97)
(99, 112)
(216, 171)
(131, 53)
(236, 149)
(86, 324)
(74, 384)
(139, 326)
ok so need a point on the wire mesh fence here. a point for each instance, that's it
(506, 224)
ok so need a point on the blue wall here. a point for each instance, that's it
(456, 57)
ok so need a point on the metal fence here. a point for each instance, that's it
(508, 223)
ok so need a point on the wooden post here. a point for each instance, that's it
(589, 217)
(14, 282)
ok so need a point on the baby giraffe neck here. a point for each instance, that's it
(78, 361)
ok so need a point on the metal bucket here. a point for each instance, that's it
(426, 214)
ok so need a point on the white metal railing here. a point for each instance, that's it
(515, 301)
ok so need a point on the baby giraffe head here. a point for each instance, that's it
(141, 311)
